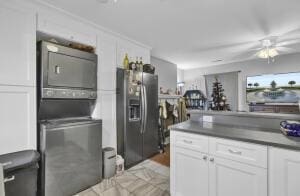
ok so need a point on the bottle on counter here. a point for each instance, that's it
(141, 64)
(126, 62)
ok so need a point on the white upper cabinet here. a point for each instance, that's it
(17, 118)
(133, 50)
(284, 172)
(66, 27)
(18, 45)
(107, 61)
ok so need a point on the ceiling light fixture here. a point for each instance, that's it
(268, 51)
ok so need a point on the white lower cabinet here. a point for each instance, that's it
(189, 171)
(17, 118)
(231, 178)
(195, 173)
(284, 172)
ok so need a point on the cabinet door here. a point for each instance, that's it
(189, 173)
(230, 178)
(106, 110)
(17, 118)
(18, 45)
(284, 172)
(107, 62)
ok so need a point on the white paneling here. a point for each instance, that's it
(125, 47)
(106, 110)
(17, 118)
(133, 50)
(107, 61)
(18, 45)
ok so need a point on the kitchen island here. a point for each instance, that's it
(234, 154)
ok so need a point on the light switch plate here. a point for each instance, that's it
(208, 119)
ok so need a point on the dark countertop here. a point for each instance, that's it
(247, 114)
(269, 137)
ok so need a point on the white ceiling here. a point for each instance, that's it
(193, 33)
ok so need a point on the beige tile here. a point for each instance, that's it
(145, 174)
(134, 168)
(140, 187)
(104, 185)
(163, 170)
(116, 191)
(155, 192)
(126, 179)
(160, 180)
(164, 186)
(88, 192)
(152, 165)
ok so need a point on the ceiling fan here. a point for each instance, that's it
(266, 48)
(270, 48)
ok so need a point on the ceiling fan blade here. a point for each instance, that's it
(256, 49)
(243, 56)
(284, 49)
(244, 46)
(292, 34)
(288, 42)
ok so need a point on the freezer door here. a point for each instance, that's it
(150, 130)
(133, 109)
(71, 158)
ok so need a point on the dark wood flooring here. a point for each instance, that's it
(163, 158)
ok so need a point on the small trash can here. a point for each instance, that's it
(109, 162)
(20, 173)
(120, 164)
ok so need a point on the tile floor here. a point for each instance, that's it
(148, 178)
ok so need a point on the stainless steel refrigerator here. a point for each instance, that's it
(137, 115)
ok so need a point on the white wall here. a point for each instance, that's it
(180, 75)
(282, 64)
(167, 73)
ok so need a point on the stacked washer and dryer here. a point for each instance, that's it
(70, 140)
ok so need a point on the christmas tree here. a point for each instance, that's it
(218, 97)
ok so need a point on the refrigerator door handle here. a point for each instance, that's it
(145, 108)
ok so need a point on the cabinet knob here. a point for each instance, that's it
(211, 159)
(204, 157)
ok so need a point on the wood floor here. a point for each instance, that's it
(163, 158)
